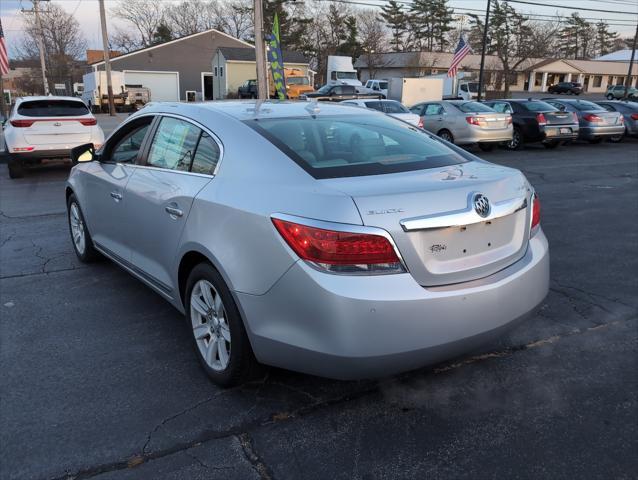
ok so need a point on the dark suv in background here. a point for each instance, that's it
(248, 89)
(537, 121)
(570, 88)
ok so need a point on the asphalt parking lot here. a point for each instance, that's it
(99, 380)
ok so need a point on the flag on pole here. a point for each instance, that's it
(276, 60)
(4, 57)
(461, 51)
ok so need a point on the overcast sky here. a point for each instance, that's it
(87, 13)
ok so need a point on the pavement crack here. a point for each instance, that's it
(31, 274)
(593, 295)
(246, 442)
(39, 215)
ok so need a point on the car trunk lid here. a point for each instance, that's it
(431, 217)
(67, 131)
(559, 118)
(489, 121)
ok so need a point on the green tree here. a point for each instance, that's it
(397, 21)
(577, 37)
(162, 34)
(350, 46)
(605, 39)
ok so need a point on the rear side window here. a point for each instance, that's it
(206, 156)
(538, 106)
(394, 107)
(52, 108)
(501, 107)
(375, 106)
(354, 145)
(471, 107)
(174, 145)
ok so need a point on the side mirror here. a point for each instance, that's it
(83, 153)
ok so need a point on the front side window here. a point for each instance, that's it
(354, 145)
(501, 107)
(174, 145)
(127, 148)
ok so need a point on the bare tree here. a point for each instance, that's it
(145, 16)
(64, 44)
(372, 37)
(124, 41)
(234, 17)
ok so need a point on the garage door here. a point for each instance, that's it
(164, 85)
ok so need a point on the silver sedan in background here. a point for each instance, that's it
(629, 111)
(390, 107)
(330, 240)
(465, 122)
(596, 123)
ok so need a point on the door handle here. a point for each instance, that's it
(116, 196)
(173, 211)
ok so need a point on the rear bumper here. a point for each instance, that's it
(553, 132)
(350, 327)
(601, 131)
(36, 155)
(479, 135)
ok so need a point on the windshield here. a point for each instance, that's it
(53, 108)
(585, 106)
(354, 145)
(471, 107)
(347, 75)
(297, 81)
(539, 107)
(325, 89)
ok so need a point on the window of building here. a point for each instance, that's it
(598, 80)
(221, 71)
(215, 72)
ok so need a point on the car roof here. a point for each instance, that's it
(258, 109)
(566, 100)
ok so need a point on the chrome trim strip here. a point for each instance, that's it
(342, 227)
(467, 216)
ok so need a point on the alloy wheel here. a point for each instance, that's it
(77, 228)
(210, 325)
(516, 140)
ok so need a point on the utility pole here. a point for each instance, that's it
(38, 25)
(107, 60)
(481, 72)
(260, 51)
(631, 65)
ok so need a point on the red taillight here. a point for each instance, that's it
(472, 120)
(22, 123)
(329, 248)
(88, 121)
(634, 116)
(23, 149)
(509, 120)
(590, 117)
(575, 117)
(540, 118)
(536, 211)
(420, 124)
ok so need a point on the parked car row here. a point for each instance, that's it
(516, 122)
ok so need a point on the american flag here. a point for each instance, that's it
(4, 58)
(461, 51)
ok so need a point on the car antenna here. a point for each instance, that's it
(312, 107)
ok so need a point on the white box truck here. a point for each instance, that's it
(95, 93)
(462, 86)
(410, 91)
(341, 72)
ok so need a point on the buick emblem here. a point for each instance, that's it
(57, 124)
(481, 205)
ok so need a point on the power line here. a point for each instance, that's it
(570, 8)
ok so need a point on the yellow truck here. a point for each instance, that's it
(297, 83)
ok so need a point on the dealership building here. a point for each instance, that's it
(532, 75)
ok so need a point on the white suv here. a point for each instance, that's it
(41, 128)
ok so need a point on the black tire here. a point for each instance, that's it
(446, 135)
(90, 254)
(610, 97)
(486, 147)
(517, 140)
(617, 138)
(242, 365)
(551, 144)
(16, 168)
(595, 140)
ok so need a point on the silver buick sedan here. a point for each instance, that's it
(312, 237)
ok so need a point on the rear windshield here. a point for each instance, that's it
(354, 145)
(52, 108)
(538, 106)
(471, 107)
(374, 106)
(585, 106)
(394, 107)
